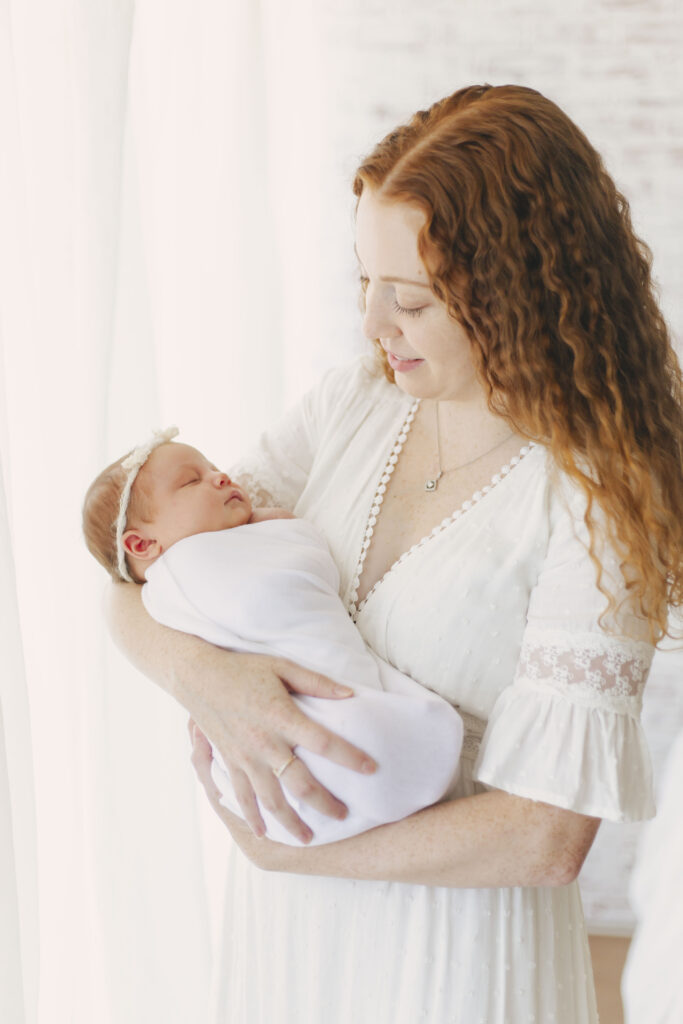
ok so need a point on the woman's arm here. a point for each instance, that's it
(242, 702)
(492, 839)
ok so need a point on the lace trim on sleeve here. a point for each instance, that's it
(592, 669)
(261, 485)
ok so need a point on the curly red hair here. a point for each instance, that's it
(530, 245)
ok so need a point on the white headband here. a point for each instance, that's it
(134, 463)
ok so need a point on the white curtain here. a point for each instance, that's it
(154, 157)
(19, 921)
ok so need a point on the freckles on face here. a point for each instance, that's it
(428, 350)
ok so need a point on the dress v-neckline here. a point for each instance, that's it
(355, 607)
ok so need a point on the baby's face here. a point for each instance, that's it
(189, 495)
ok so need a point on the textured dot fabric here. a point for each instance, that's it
(500, 614)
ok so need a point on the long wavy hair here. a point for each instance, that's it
(529, 244)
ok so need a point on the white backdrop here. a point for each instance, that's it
(148, 185)
(176, 246)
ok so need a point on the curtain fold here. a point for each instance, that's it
(19, 921)
(19, 948)
(155, 268)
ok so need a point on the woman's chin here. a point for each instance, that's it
(424, 386)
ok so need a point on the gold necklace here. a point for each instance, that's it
(432, 483)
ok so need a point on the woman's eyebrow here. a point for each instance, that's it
(392, 280)
(405, 280)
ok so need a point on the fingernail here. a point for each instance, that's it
(306, 836)
(368, 767)
(342, 812)
(343, 691)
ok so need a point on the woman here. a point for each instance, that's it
(529, 385)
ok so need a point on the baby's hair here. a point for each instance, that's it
(101, 510)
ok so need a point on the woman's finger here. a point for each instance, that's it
(246, 798)
(273, 800)
(319, 740)
(299, 781)
(302, 680)
(201, 758)
(313, 736)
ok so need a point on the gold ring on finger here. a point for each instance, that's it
(277, 772)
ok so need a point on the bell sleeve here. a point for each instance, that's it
(277, 468)
(567, 730)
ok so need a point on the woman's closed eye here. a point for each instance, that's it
(407, 310)
(398, 308)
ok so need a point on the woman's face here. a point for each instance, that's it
(428, 351)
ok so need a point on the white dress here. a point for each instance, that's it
(498, 612)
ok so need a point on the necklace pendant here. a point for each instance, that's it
(431, 485)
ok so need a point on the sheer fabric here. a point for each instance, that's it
(19, 917)
(129, 297)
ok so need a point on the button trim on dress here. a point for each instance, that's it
(354, 606)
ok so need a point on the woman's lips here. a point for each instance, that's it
(402, 365)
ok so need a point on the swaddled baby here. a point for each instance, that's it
(261, 581)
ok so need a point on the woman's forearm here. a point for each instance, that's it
(201, 677)
(163, 655)
(492, 839)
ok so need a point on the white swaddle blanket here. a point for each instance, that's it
(272, 588)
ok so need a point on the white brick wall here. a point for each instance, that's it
(615, 67)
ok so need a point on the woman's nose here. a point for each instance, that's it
(378, 321)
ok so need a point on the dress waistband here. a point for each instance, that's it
(473, 725)
(474, 730)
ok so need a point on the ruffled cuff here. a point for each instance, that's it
(262, 485)
(542, 745)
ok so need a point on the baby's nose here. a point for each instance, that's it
(221, 479)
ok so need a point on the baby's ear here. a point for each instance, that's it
(139, 546)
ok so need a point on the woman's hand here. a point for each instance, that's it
(262, 852)
(242, 702)
(255, 725)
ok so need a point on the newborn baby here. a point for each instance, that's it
(261, 581)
